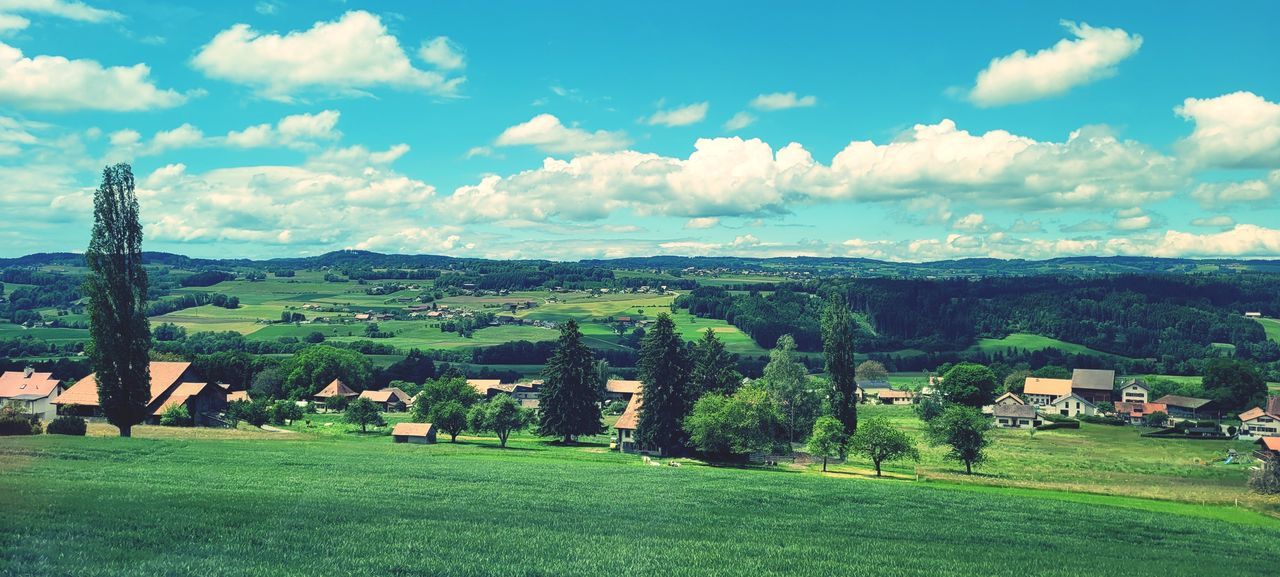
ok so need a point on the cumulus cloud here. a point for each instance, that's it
(442, 53)
(782, 101)
(737, 177)
(294, 131)
(546, 133)
(703, 222)
(739, 121)
(342, 57)
(970, 222)
(1021, 77)
(680, 116)
(12, 23)
(1237, 130)
(1217, 194)
(1218, 221)
(69, 9)
(57, 84)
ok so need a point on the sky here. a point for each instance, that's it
(910, 131)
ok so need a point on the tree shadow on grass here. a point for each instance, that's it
(500, 448)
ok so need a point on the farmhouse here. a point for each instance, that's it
(620, 390)
(1137, 413)
(417, 433)
(1072, 405)
(1093, 385)
(1187, 407)
(1040, 392)
(203, 401)
(487, 388)
(1257, 422)
(1270, 447)
(389, 399)
(82, 397)
(892, 397)
(1135, 392)
(872, 388)
(34, 391)
(1015, 416)
(628, 442)
(337, 388)
(1009, 399)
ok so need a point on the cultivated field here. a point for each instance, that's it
(335, 503)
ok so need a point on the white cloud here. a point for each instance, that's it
(15, 134)
(739, 121)
(343, 57)
(702, 223)
(1023, 226)
(56, 84)
(1020, 77)
(294, 131)
(442, 53)
(12, 23)
(1218, 221)
(546, 133)
(970, 222)
(266, 8)
(681, 115)
(1237, 130)
(782, 101)
(69, 9)
(1216, 194)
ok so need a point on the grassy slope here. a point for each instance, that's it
(345, 504)
(1033, 343)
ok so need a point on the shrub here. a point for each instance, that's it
(1102, 420)
(13, 421)
(1067, 424)
(1265, 478)
(615, 408)
(336, 403)
(1231, 431)
(176, 416)
(255, 413)
(67, 425)
(929, 408)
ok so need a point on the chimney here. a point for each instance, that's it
(27, 372)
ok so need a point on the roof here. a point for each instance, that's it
(385, 395)
(181, 394)
(1271, 443)
(1273, 405)
(875, 384)
(1125, 408)
(892, 394)
(17, 384)
(1149, 408)
(1256, 412)
(1139, 384)
(630, 418)
(1078, 398)
(1051, 387)
(411, 430)
(1014, 411)
(238, 396)
(621, 387)
(1011, 397)
(483, 386)
(1183, 402)
(1093, 379)
(336, 389)
(85, 392)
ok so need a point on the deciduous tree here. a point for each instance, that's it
(838, 330)
(363, 412)
(828, 440)
(501, 414)
(788, 381)
(879, 441)
(968, 384)
(964, 431)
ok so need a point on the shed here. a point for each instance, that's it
(417, 433)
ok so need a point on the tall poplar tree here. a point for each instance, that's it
(569, 404)
(838, 329)
(714, 369)
(116, 288)
(664, 371)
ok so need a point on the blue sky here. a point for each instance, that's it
(905, 131)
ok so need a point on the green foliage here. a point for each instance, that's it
(67, 425)
(872, 371)
(312, 368)
(284, 412)
(787, 380)
(176, 416)
(1265, 478)
(364, 413)
(15, 421)
(439, 392)
(714, 368)
(745, 422)
(451, 417)
(1157, 419)
(880, 441)
(664, 370)
(1015, 381)
(929, 408)
(256, 412)
(964, 430)
(1234, 384)
(116, 289)
(968, 384)
(569, 404)
(501, 414)
(336, 403)
(828, 439)
(838, 332)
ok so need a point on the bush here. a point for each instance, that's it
(1067, 424)
(1052, 418)
(13, 421)
(615, 408)
(1231, 431)
(67, 425)
(176, 416)
(1102, 420)
(1265, 478)
(255, 413)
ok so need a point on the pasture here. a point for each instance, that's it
(1032, 342)
(334, 502)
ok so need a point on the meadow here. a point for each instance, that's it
(324, 501)
(1030, 342)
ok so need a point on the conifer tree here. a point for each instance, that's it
(714, 369)
(664, 373)
(838, 329)
(569, 404)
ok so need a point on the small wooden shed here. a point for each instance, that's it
(419, 433)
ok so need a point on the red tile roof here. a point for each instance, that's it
(238, 396)
(181, 394)
(18, 384)
(630, 418)
(411, 430)
(621, 387)
(1271, 443)
(85, 392)
(386, 395)
(1052, 387)
(336, 389)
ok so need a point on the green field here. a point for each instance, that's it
(328, 502)
(55, 335)
(1272, 327)
(1032, 343)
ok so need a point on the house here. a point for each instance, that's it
(1187, 407)
(626, 426)
(82, 398)
(487, 388)
(1257, 422)
(337, 388)
(1273, 405)
(1093, 385)
(1072, 405)
(1252, 315)
(527, 393)
(1014, 416)
(1137, 413)
(892, 397)
(34, 391)
(417, 433)
(1009, 399)
(1270, 448)
(1040, 392)
(233, 396)
(621, 390)
(1135, 392)
(363, 316)
(204, 401)
(873, 388)
(389, 399)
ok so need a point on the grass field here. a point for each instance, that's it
(1272, 327)
(330, 502)
(1032, 343)
(55, 335)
